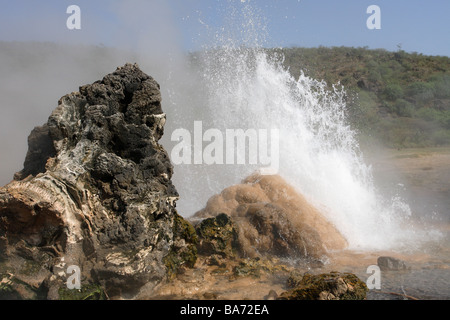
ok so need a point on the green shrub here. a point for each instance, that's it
(428, 114)
(421, 91)
(403, 108)
(393, 91)
(442, 86)
(441, 137)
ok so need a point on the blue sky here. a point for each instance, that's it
(416, 25)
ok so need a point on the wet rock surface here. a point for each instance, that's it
(391, 264)
(95, 192)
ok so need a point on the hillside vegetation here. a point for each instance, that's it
(399, 99)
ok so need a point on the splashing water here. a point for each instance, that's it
(245, 87)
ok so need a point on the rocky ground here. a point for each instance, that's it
(423, 177)
(406, 277)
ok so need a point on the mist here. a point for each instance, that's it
(35, 74)
(37, 70)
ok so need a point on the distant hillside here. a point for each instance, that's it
(401, 99)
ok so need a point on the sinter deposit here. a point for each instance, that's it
(273, 219)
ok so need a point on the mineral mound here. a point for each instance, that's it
(273, 219)
(95, 193)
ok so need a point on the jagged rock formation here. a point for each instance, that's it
(95, 192)
(272, 219)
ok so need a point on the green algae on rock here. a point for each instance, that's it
(326, 286)
(86, 292)
(218, 236)
(256, 266)
(183, 252)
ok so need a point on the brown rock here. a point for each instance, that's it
(391, 264)
(273, 219)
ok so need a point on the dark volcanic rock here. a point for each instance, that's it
(96, 192)
(391, 264)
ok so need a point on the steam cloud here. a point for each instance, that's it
(41, 60)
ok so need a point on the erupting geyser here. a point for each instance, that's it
(245, 88)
